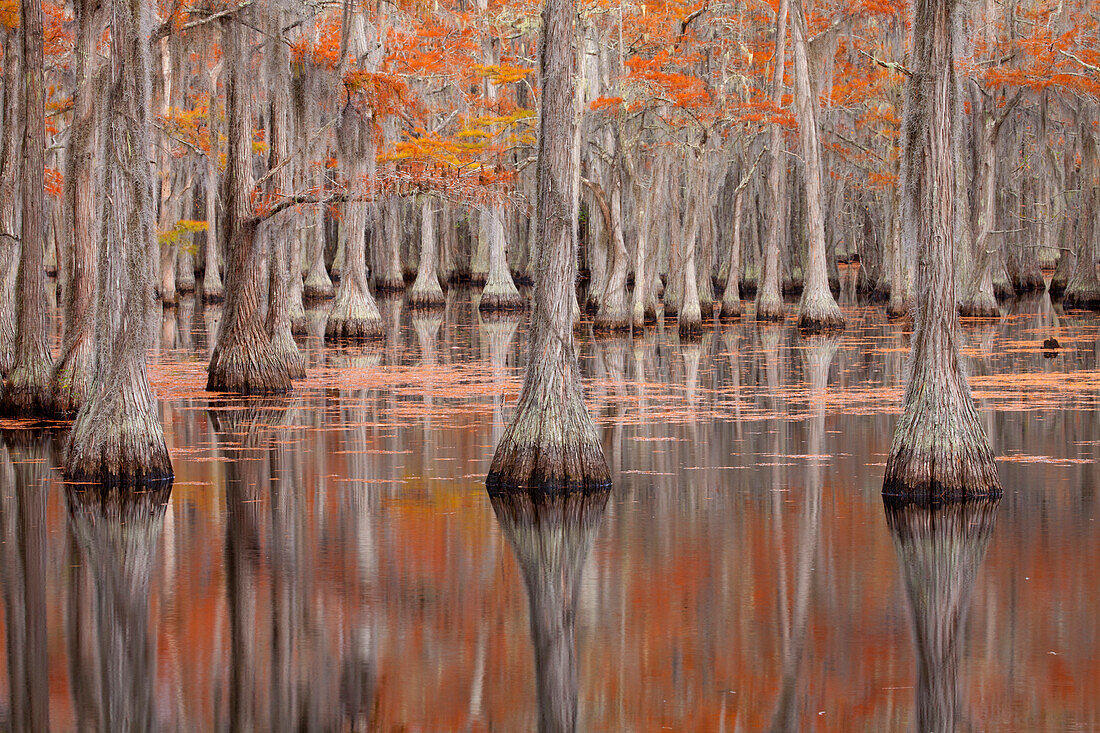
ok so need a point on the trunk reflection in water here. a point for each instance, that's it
(114, 535)
(551, 535)
(940, 549)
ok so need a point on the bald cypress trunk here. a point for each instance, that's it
(213, 290)
(817, 311)
(117, 436)
(500, 292)
(769, 300)
(552, 441)
(26, 388)
(10, 157)
(243, 360)
(70, 381)
(940, 447)
(426, 292)
(354, 314)
(280, 229)
(731, 293)
(1083, 289)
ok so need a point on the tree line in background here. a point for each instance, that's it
(280, 153)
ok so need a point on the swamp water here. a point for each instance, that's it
(331, 560)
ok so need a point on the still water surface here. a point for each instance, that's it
(331, 560)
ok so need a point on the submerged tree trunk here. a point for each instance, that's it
(500, 292)
(26, 388)
(318, 284)
(70, 381)
(731, 294)
(243, 360)
(10, 172)
(769, 300)
(1083, 290)
(354, 314)
(117, 436)
(940, 447)
(690, 316)
(817, 311)
(213, 290)
(426, 292)
(552, 441)
(280, 229)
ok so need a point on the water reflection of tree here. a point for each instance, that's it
(551, 535)
(116, 536)
(939, 549)
(24, 467)
(817, 357)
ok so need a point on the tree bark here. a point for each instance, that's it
(213, 290)
(117, 437)
(280, 229)
(243, 360)
(1083, 290)
(10, 172)
(70, 381)
(817, 310)
(500, 292)
(769, 300)
(26, 388)
(426, 292)
(940, 448)
(552, 442)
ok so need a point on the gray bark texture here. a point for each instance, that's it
(552, 441)
(26, 387)
(939, 448)
(117, 437)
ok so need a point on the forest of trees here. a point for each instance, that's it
(669, 158)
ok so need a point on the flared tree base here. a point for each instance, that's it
(611, 321)
(980, 306)
(690, 327)
(731, 309)
(819, 313)
(1003, 290)
(390, 284)
(113, 443)
(1057, 287)
(286, 350)
(247, 369)
(213, 294)
(1030, 282)
(552, 443)
(821, 322)
(770, 309)
(342, 330)
(532, 465)
(502, 301)
(314, 292)
(427, 299)
(940, 450)
(898, 310)
(22, 397)
(1084, 296)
